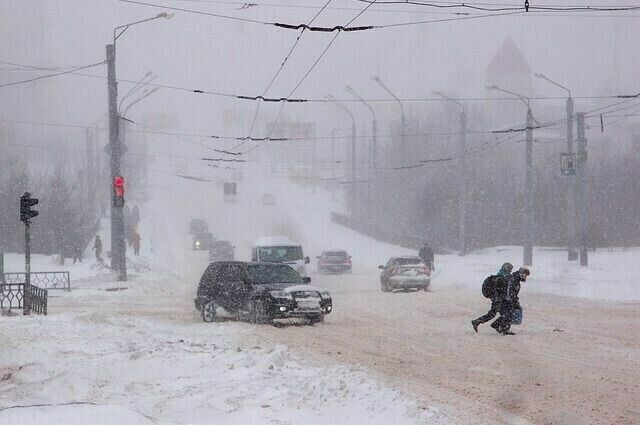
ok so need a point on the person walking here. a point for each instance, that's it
(97, 247)
(77, 251)
(494, 288)
(511, 304)
(136, 243)
(426, 253)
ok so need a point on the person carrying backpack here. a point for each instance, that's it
(511, 304)
(494, 287)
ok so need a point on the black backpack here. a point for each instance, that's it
(490, 286)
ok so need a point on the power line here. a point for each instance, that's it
(313, 66)
(524, 8)
(197, 12)
(282, 65)
(15, 83)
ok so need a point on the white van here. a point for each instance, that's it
(280, 249)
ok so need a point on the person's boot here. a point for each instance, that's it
(507, 331)
(475, 324)
(496, 327)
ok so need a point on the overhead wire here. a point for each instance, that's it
(57, 74)
(279, 71)
(520, 7)
(313, 66)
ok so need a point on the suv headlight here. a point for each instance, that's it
(281, 294)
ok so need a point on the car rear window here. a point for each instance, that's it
(406, 261)
(341, 254)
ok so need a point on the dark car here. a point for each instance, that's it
(260, 292)
(221, 251)
(405, 273)
(203, 241)
(334, 261)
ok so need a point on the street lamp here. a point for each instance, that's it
(571, 252)
(353, 152)
(373, 147)
(462, 188)
(403, 119)
(115, 151)
(528, 183)
(148, 77)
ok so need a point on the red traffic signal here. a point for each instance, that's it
(118, 186)
(118, 191)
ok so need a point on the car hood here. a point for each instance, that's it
(288, 287)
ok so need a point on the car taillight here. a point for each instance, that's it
(348, 261)
(426, 270)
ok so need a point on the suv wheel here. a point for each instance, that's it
(209, 312)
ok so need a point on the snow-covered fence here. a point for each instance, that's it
(44, 280)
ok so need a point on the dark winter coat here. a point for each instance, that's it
(513, 289)
(426, 253)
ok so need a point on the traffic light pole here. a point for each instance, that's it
(118, 246)
(26, 300)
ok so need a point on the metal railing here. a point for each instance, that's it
(11, 295)
(44, 280)
(22, 296)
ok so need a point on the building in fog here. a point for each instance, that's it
(510, 71)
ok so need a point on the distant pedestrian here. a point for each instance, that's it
(426, 253)
(495, 288)
(77, 251)
(97, 247)
(136, 243)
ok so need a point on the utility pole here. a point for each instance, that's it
(528, 183)
(462, 175)
(333, 164)
(353, 171)
(571, 189)
(118, 246)
(115, 151)
(462, 189)
(528, 219)
(371, 178)
(582, 191)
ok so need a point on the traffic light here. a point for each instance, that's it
(26, 213)
(118, 191)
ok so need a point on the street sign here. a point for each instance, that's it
(568, 164)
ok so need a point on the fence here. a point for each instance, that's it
(22, 296)
(44, 280)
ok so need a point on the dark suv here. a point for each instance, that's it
(260, 292)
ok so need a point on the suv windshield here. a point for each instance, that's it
(261, 274)
(277, 254)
